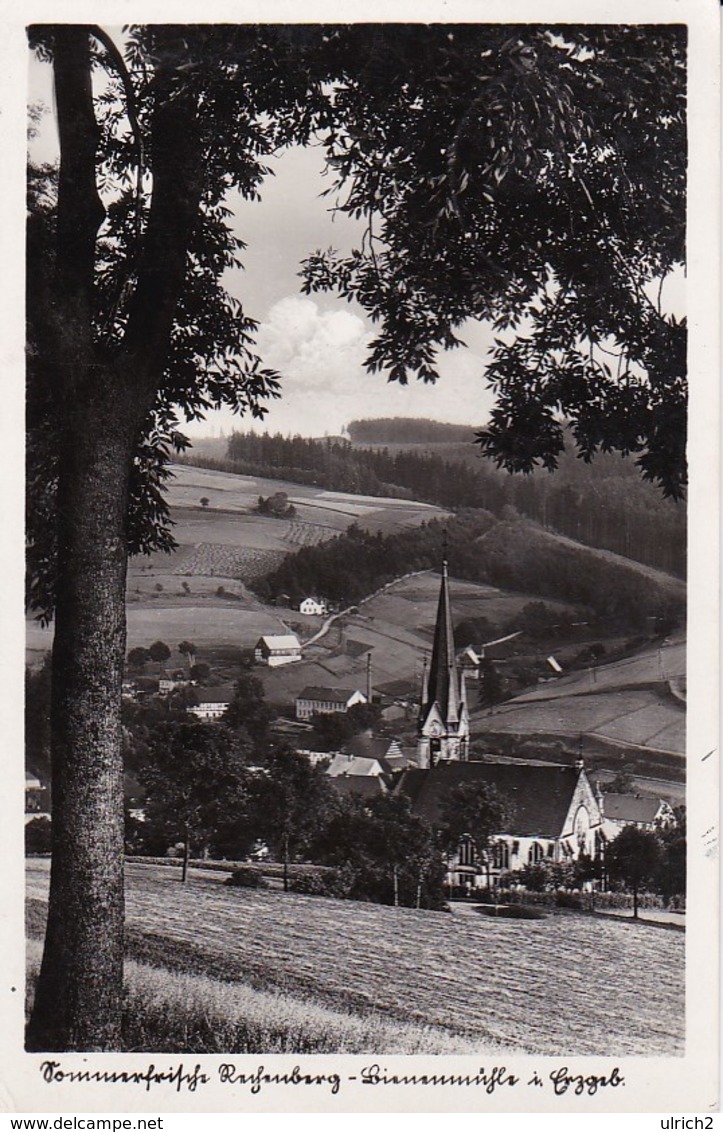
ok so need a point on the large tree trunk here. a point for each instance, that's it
(103, 404)
(78, 996)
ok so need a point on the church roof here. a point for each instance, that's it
(540, 796)
(642, 809)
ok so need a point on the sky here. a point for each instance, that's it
(318, 343)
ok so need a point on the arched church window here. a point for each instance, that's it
(536, 853)
(466, 851)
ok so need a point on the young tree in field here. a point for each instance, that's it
(159, 652)
(633, 857)
(138, 657)
(290, 802)
(390, 853)
(188, 649)
(403, 844)
(196, 785)
(515, 171)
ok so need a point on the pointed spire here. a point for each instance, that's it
(443, 682)
(424, 698)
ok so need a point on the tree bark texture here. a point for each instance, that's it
(103, 404)
(78, 996)
(285, 843)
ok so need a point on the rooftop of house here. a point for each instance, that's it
(367, 746)
(631, 808)
(539, 796)
(343, 765)
(361, 785)
(327, 695)
(282, 641)
(398, 689)
(222, 694)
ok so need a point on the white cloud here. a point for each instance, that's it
(315, 350)
(320, 353)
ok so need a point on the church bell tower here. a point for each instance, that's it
(443, 725)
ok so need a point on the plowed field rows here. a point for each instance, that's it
(222, 561)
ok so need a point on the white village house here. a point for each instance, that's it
(312, 605)
(326, 701)
(212, 702)
(644, 811)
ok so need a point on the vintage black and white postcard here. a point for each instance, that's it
(362, 382)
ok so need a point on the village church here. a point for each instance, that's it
(555, 813)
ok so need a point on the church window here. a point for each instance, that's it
(466, 851)
(501, 855)
(536, 853)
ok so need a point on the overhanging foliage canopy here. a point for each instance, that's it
(528, 175)
(534, 177)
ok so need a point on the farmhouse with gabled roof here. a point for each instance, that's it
(277, 649)
(212, 702)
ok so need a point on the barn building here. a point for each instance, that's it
(276, 650)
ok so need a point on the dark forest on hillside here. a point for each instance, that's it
(603, 504)
(515, 555)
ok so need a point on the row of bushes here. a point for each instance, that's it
(580, 900)
(346, 882)
(267, 869)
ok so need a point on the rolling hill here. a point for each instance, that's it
(199, 592)
(629, 712)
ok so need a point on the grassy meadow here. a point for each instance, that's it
(627, 703)
(263, 971)
(226, 545)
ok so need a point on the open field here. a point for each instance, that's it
(567, 984)
(331, 509)
(226, 545)
(627, 702)
(396, 628)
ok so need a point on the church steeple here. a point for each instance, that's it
(443, 681)
(443, 731)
